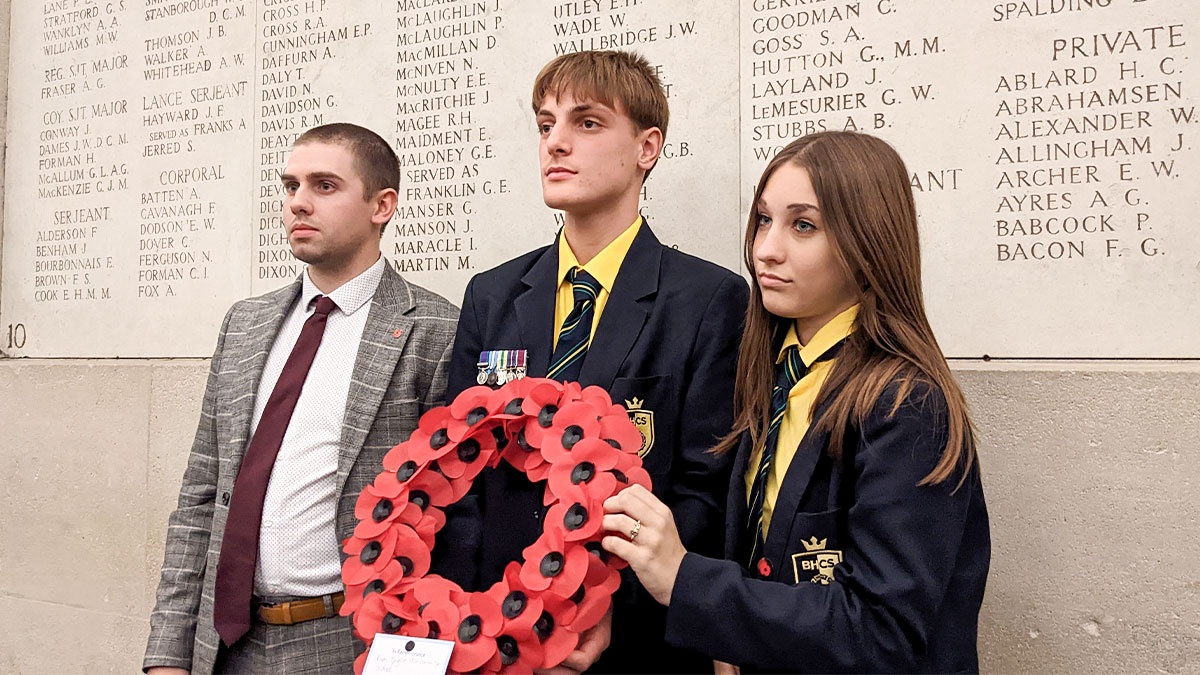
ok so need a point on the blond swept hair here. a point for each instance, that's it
(621, 80)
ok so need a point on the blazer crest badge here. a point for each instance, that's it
(815, 563)
(643, 419)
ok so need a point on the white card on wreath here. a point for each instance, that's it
(395, 654)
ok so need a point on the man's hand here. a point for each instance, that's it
(592, 644)
(722, 668)
(163, 670)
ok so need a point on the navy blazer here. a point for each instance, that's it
(867, 571)
(668, 336)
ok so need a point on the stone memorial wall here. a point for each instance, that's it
(1052, 146)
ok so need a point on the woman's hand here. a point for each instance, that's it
(648, 539)
(722, 668)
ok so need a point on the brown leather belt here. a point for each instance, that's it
(297, 611)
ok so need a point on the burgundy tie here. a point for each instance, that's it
(239, 547)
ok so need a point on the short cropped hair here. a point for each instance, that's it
(607, 77)
(377, 164)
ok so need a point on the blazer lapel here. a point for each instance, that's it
(535, 312)
(254, 347)
(795, 483)
(378, 353)
(625, 313)
(735, 504)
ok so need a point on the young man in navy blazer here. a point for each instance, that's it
(664, 331)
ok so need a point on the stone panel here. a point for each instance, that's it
(75, 500)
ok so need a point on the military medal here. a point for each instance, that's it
(483, 368)
(501, 366)
(519, 371)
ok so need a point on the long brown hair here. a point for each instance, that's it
(869, 213)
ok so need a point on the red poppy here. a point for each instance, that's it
(436, 620)
(432, 588)
(429, 488)
(400, 453)
(375, 512)
(379, 614)
(475, 642)
(520, 605)
(573, 423)
(431, 439)
(586, 467)
(470, 409)
(425, 523)
(516, 655)
(507, 400)
(578, 514)
(764, 567)
(597, 397)
(540, 407)
(603, 567)
(412, 555)
(525, 457)
(550, 563)
(361, 661)
(399, 470)
(629, 471)
(366, 558)
(592, 603)
(431, 605)
(385, 583)
(469, 457)
(619, 432)
(571, 391)
(557, 640)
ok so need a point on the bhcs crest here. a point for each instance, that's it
(643, 419)
(815, 563)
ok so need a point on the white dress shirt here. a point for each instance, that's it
(298, 549)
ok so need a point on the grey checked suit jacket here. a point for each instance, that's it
(395, 380)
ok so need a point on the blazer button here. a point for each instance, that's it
(224, 499)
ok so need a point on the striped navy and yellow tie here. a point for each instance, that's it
(790, 371)
(576, 331)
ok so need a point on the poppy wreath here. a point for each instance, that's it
(575, 439)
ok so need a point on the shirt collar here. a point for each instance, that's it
(834, 331)
(606, 264)
(350, 296)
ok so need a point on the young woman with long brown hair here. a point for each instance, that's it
(856, 531)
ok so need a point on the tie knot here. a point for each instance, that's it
(583, 285)
(324, 305)
(793, 367)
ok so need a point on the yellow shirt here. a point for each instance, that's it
(603, 268)
(800, 399)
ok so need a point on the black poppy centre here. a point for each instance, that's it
(571, 436)
(551, 565)
(383, 509)
(476, 415)
(406, 471)
(439, 439)
(583, 472)
(514, 604)
(392, 623)
(420, 498)
(468, 450)
(509, 651)
(469, 629)
(514, 407)
(370, 552)
(575, 518)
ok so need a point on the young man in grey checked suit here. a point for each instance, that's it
(309, 387)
